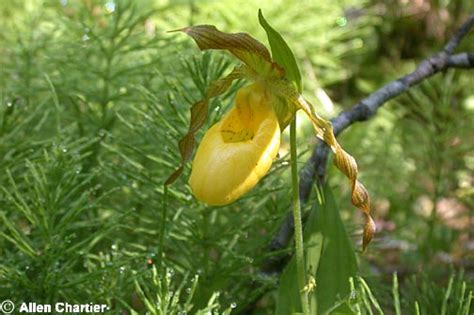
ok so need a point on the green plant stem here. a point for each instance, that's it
(161, 254)
(299, 254)
(396, 294)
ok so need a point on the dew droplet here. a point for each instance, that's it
(353, 295)
(57, 266)
(233, 305)
(85, 38)
(121, 269)
(110, 6)
(9, 104)
(114, 246)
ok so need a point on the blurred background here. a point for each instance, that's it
(95, 95)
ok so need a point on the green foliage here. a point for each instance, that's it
(159, 298)
(432, 299)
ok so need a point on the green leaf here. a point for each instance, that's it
(329, 257)
(338, 260)
(281, 53)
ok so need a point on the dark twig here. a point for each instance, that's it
(315, 167)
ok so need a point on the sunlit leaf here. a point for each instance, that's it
(281, 53)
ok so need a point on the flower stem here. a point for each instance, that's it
(300, 265)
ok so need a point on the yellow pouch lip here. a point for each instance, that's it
(223, 171)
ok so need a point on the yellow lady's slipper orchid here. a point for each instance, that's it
(238, 151)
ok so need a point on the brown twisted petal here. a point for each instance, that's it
(360, 196)
(346, 164)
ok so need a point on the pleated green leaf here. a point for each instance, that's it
(329, 258)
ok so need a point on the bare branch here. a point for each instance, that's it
(315, 167)
(463, 60)
(459, 35)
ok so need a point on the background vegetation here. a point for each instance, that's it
(95, 94)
